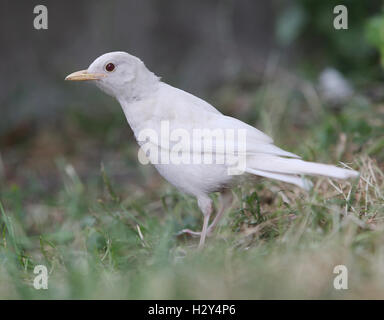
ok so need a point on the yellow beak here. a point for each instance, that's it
(84, 75)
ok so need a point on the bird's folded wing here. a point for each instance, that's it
(195, 126)
(208, 132)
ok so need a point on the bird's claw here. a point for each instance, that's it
(189, 232)
(193, 233)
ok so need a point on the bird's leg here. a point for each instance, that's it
(205, 205)
(204, 231)
(226, 199)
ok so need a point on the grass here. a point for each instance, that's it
(105, 236)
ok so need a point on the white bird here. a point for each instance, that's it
(148, 102)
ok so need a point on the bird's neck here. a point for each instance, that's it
(138, 113)
(138, 100)
(146, 84)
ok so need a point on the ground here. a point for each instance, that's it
(109, 231)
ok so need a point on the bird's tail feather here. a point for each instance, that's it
(294, 179)
(292, 170)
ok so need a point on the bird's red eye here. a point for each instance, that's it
(110, 67)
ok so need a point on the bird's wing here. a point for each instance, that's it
(187, 115)
(179, 99)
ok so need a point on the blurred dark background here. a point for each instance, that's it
(225, 51)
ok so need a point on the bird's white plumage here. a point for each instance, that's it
(147, 102)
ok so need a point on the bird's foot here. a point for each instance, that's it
(189, 232)
(193, 233)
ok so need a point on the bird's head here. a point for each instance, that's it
(119, 74)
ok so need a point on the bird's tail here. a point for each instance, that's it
(292, 170)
